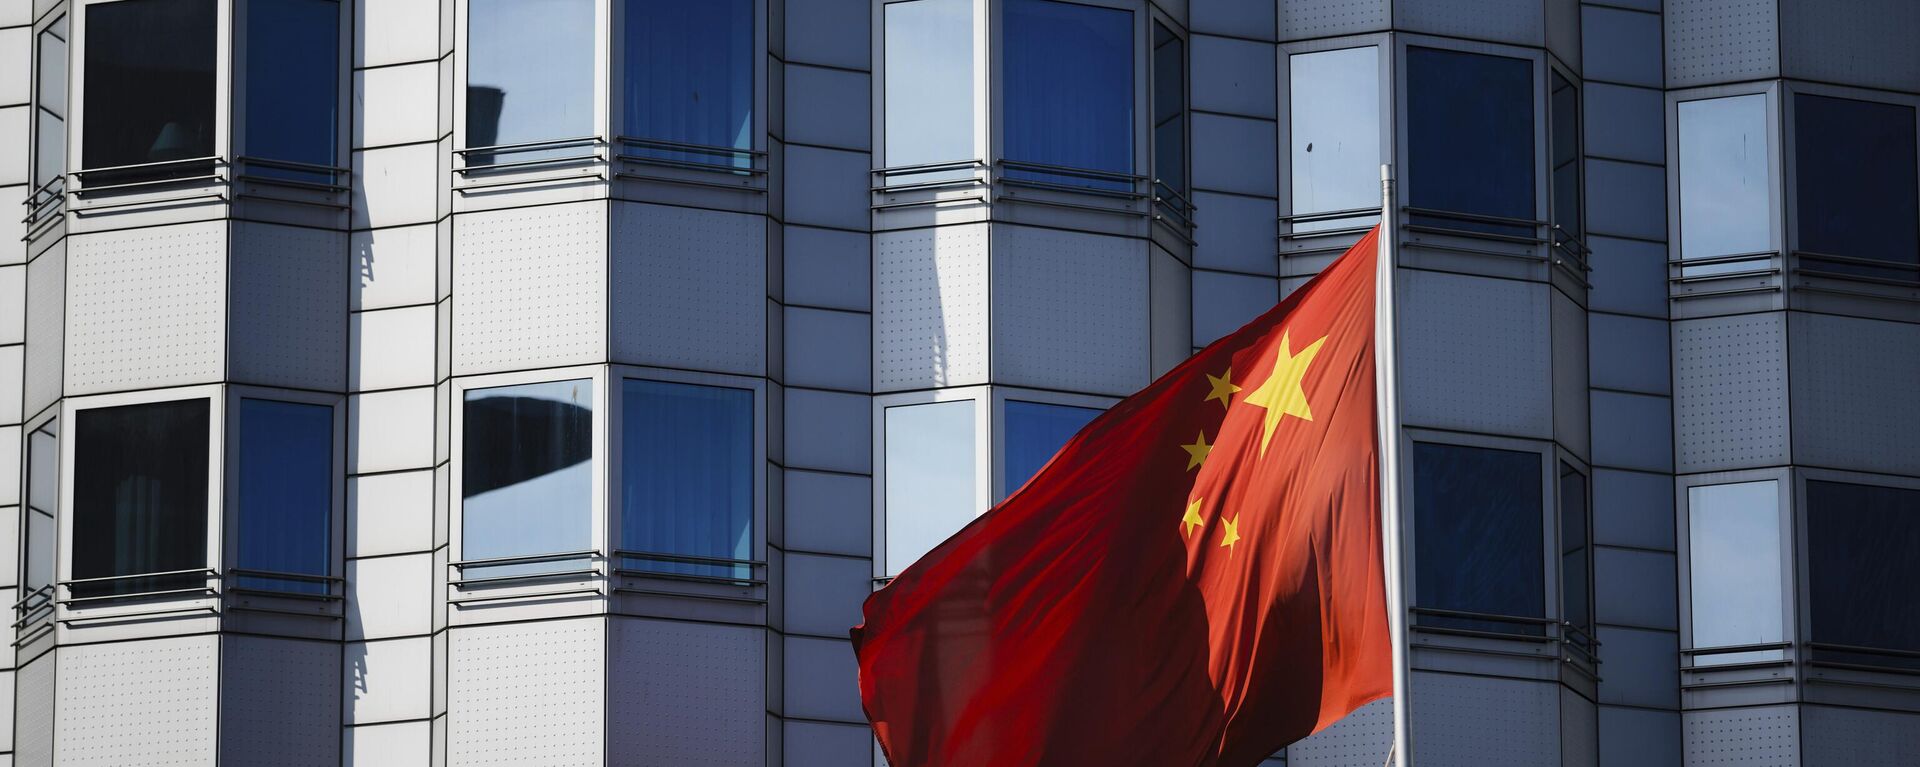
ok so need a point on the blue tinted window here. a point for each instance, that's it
(1470, 139)
(1855, 174)
(286, 493)
(140, 497)
(689, 78)
(1576, 559)
(526, 478)
(1169, 109)
(1477, 535)
(686, 478)
(1564, 117)
(529, 75)
(293, 92)
(1034, 433)
(149, 92)
(1861, 570)
(1068, 91)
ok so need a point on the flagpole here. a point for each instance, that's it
(1387, 391)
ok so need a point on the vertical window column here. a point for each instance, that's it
(286, 493)
(37, 526)
(49, 113)
(1170, 125)
(291, 125)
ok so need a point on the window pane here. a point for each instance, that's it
(286, 493)
(1724, 165)
(1861, 570)
(1470, 138)
(1855, 175)
(1733, 549)
(1169, 109)
(687, 474)
(1565, 121)
(930, 85)
(1576, 569)
(140, 496)
(293, 91)
(1035, 432)
(929, 478)
(43, 483)
(689, 77)
(1068, 91)
(50, 138)
(1477, 514)
(1335, 121)
(150, 86)
(529, 75)
(526, 480)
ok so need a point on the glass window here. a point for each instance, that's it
(1861, 570)
(1855, 174)
(931, 91)
(689, 79)
(1564, 119)
(1334, 117)
(1470, 140)
(43, 493)
(1477, 518)
(686, 468)
(140, 497)
(149, 92)
(529, 76)
(50, 106)
(1576, 558)
(285, 518)
(1034, 433)
(1169, 109)
(1724, 167)
(1068, 92)
(1733, 550)
(930, 479)
(526, 480)
(292, 86)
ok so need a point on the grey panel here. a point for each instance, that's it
(1485, 721)
(1763, 736)
(1629, 353)
(1635, 588)
(831, 32)
(1621, 46)
(1637, 737)
(145, 702)
(1238, 233)
(1632, 508)
(828, 267)
(1234, 154)
(828, 349)
(1628, 276)
(46, 326)
(823, 594)
(1475, 354)
(527, 694)
(687, 694)
(1170, 309)
(1233, 76)
(831, 107)
(33, 713)
(1855, 403)
(1719, 41)
(531, 284)
(146, 308)
(279, 702)
(1563, 32)
(1625, 123)
(1579, 731)
(288, 324)
(930, 307)
(1730, 392)
(1069, 310)
(829, 430)
(819, 744)
(1223, 302)
(829, 513)
(1626, 199)
(827, 187)
(1570, 375)
(820, 681)
(1360, 740)
(1642, 668)
(1521, 22)
(1860, 42)
(1231, 17)
(1857, 737)
(689, 288)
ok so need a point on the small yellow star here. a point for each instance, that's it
(1229, 531)
(1192, 519)
(1223, 388)
(1281, 395)
(1197, 451)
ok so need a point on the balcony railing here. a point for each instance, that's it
(674, 162)
(529, 163)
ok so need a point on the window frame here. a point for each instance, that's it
(46, 201)
(1575, 244)
(1142, 80)
(997, 426)
(1800, 621)
(1792, 595)
(983, 464)
(1785, 110)
(1315, 242)
(28, 631)
(1178, 212)
(561, 168)
(615, 80)
(230, 434)
(344, 74)
(1587, 660)
(223, 111)
(1760, 271)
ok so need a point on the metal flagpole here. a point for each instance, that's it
(1387, 391)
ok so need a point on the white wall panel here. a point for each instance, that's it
(1475, 354)
(401, 744)
(388, 680)
(687, 694)
(13, 287)
(33, 695)
(689, 288)
(1485, 721)
(1360, 740)
(1764, 736)
(396, 185)
(1730, 392)
(144, 702)
(1855, 403)
(390, 513)
(1069, 310)
(392, 267)
(528, 694)
(146, 308)
(532, 285)
(289, 298)
(390, 430)
(390, 596)
(930, 307)
(1858, 737)
(16, 59)
(279, 702)
(46, 326)
(13, 134)
(394, 31)
(13, 360)
(392, 348)
(398, 104)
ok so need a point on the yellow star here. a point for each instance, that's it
(1192, 519)
(1281, 394)
(1197, 451)
(1229, 532)
(1223, 388)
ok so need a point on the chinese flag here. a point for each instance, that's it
(1195, 578)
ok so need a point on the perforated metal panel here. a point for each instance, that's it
(150, 702)
(688, 694)
(1858, 737)
(1579, 731)
(527, 694)
(930, 307)
(33, 713)
(1858, 42)
(1360, 740)
(1307, 19)
(46, 326)
(279, 702)
(1521, 22)
(1730, 392)
(1475, 354)
(530, 287)
(147, 308)
(689, 288)
(1717, 41)
(1484, 721)
(1570, 373)
(1855, 400)
(1766, 736)
(289, 298)
(1069, 310)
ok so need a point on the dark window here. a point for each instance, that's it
(686, 478)
(1068, 93)
(1470, 140)
(140, 497)
(1036, 431)
(43, 494)
(1477, 536)
(526, 477)
(529, 77)
(1169, 109)
(1564, 119)
(292, 87)
(689, 80)
(50, 105)
(1861, 570)
(286, 494)
(149, 88)
(1576, 558)
(1855, 177)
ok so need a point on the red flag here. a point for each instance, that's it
(1194, 579)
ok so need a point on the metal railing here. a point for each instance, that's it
(1477, 225)
(1291, 223)
(1573, 646)
(480, 160)
(632, 564)
(149, 174)
(33, 615)
(44, 204)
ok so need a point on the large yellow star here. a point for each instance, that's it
(1197, 451)
(1193, 518)
(1223, 388)
(1281, 395)
(1229, 531)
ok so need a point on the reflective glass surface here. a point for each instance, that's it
(1067, 92)
(686, 477)
(1478, 542)
(286, 493)
(50, 106)
(1169, 109)
(689, 79)
(526, 477)
(1733, 549)
(529, 76)
(1855, 173)
(1034, 432)
(930, 82)
(1724, 169)
(140, 496)
(1470, 147)
(43, 487)
(1564, 120)
(930, 479)
(1334, 116)
(1861, 571)
(150, 88)
(292, 86)
(1576, 559)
